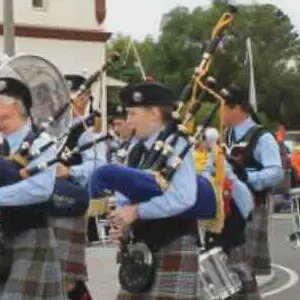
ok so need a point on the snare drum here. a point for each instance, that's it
(217, 280)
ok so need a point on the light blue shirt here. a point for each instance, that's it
(92, 158)
(267, 153)
(35, 189)
(181, 194)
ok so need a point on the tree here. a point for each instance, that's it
(184, 33)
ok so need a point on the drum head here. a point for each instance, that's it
(47, 86)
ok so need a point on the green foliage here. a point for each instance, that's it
(172, 58)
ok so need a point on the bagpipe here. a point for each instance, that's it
(155, 174)
(50, 115)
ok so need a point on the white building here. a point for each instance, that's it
(67, 32)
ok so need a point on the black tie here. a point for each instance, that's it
(135, 155)
(4, 148)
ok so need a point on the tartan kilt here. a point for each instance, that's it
(257, 242)
(70, 234)
(35, 273)
(176, 276)
(238, 261)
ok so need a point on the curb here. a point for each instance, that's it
(265, 279)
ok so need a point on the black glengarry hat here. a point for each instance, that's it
(235, 95)
(147, 94)
(74, 81)
(116, 110)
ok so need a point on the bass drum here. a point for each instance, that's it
(48, 89)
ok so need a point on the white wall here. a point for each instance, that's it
(60, 13)
(68, 56)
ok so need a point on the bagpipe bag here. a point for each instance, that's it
(141, 186)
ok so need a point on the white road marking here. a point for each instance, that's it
(293, 279)
(282, 216)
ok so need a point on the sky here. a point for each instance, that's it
(139, 18)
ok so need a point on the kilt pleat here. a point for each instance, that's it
(176, 276)
(70, 234)
(257, 242)
(36, 272)
(238, 261)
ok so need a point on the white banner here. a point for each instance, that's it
(252, 89)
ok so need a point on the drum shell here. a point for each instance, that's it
(216, 277)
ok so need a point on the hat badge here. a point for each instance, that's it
(3, 85)
(69, 84)
(119, 109)
(137, 97)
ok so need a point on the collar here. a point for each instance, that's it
(241, 129)
(16, 138)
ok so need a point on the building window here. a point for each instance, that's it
(39, 4)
